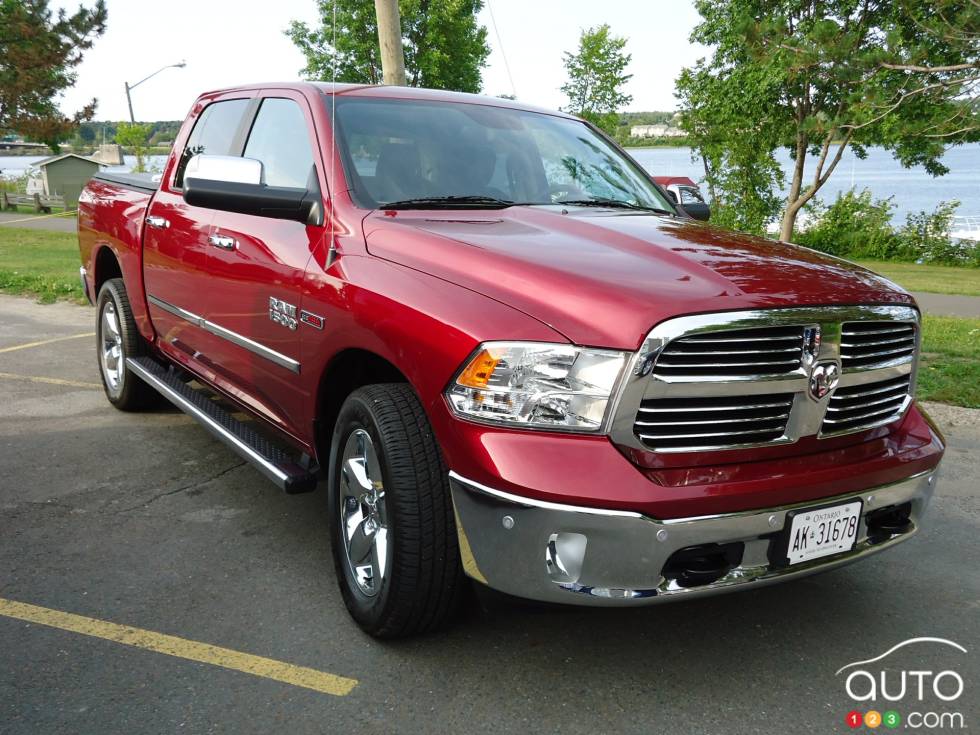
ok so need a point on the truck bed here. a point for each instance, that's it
(111, 212)
(142, 182)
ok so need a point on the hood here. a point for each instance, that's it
(604, 277)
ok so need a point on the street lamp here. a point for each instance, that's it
(130, 87)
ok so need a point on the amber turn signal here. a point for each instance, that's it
(477, 373)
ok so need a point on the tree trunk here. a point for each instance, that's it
(789, 220)
(792, 206)
(709, 179)
(797, 198)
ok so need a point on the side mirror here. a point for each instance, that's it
(672, 195)
(233, 184)
(698, 210)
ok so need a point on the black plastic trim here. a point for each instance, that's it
(136, 182)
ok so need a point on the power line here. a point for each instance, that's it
(500, 44)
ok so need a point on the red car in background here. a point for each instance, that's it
(505, 352)
(685, 192)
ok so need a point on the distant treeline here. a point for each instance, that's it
(94, 133)
(627, 119)
(163, 132)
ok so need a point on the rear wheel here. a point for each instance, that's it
(116, 339)
(392, 526)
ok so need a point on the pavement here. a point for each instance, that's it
(948, 305)
(152, 582)
(31, 221)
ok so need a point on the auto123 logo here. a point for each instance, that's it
(892, 695)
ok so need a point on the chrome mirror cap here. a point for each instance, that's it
(229, 169)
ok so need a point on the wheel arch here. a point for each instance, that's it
(348, 370)
(106, 266)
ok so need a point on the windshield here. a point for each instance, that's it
(397, 151)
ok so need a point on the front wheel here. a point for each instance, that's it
(392, 526)
(116, 339)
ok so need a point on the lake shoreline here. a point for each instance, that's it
(911, 190)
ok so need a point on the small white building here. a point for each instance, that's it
(660, 130)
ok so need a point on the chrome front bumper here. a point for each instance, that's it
(587, 556)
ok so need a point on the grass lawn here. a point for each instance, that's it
(40, 263)
(930, 278)
(45, 264)
(950, 367)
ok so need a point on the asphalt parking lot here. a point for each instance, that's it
(110, 520)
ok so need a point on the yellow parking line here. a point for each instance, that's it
(40, 216)
(170, 645)
(52, 381)
(45, 342)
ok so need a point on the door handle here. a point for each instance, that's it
(157, 223)
(225, 242)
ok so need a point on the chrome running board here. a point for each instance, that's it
(267, 458)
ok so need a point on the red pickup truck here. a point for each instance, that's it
(506, 352)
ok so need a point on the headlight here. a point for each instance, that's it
(546, 386)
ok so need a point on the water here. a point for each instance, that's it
(912, 189)
(12, 167)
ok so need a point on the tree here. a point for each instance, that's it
(39, 52)
(134, 136)
(596, 75)
(445, 46)
(820, 77)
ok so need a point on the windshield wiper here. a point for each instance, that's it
(448, 201)
(613, 204)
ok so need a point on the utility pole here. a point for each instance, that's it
(390, 40)
(129, 101)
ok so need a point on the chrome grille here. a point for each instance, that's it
(870, 344)
(694, 423)
(736, 352)
(728, 380)
(866, 405)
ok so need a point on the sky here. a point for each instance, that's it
(230, 42)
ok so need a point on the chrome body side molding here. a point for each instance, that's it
(234, 337)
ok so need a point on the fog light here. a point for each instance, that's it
(564, 556)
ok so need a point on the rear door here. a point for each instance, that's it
(175, 240)
(256, 269)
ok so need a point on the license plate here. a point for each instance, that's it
(817, 532)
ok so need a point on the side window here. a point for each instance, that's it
(281, 140)
(213, 133)
(690, 196)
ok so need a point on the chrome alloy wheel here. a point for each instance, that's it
(113, 360)
(363, 518)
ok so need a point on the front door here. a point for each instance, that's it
(256, 267)
(175, 241)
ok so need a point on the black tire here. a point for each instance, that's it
(124, 389)
(423, 582)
